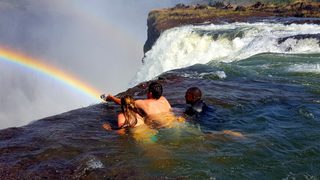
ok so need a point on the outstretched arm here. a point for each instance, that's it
(111, 98)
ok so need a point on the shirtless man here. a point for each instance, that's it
(156, 108)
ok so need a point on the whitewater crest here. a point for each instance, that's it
(185, 46)
(305, 68)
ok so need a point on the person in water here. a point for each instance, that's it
(129, 116)
(197, 108)
(193, 98)
(156, 109)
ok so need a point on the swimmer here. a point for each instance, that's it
(152, 108)
(129, 116)
(193, 98)
(198, 107)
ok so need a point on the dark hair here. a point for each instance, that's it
(156, 90)
(129, 111)
(196, 93)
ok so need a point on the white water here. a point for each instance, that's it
(189, 45)
(305, 68)
(215, 74)
(94, 164)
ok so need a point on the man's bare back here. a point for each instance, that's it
(158, 112)
(154, 106)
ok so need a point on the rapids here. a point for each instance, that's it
(185, 46)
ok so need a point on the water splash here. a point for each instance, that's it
(185, 46)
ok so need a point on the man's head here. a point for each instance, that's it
(154, 90)
(193, 94)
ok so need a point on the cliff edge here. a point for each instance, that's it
(163, 19)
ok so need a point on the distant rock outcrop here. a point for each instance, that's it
(163, 19)
(301, 36)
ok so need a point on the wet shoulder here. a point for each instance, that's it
(165, 101)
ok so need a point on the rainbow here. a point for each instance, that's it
(48, 70)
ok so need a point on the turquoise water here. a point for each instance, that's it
(268, 98)
(272, 99)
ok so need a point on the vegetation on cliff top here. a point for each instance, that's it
(217, 9)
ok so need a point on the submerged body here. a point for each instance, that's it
(163, 120)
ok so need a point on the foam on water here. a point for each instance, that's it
(94, 164)
(218, 74)
(307, 68)
(185, 46)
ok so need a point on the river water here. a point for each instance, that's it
(259, 79)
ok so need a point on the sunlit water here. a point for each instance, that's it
(272, 99)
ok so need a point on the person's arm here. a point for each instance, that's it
(111, 98)
(114, 99)
(121, 120)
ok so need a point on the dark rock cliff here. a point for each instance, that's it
(163, 19)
